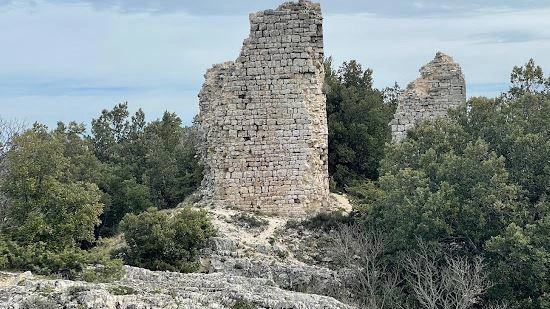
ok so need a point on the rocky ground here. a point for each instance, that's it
(253, 262)
(142, 288)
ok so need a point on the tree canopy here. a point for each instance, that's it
(358, 124)
(476, 183)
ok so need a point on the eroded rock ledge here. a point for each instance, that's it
(141, 289)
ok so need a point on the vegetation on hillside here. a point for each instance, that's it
(158, 241)
(358, 120)
(457, 215)
(474, 185)
(62, 189)
(144, 164)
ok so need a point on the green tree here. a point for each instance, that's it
(521, 262)
(145, 164)
(54, 205)
(477, 182)
(119, 143)
(123, 194)
(52, 199)
(518, 130)
(158, 241)
(172, 170)
(441, 187)
(528, 79)
(357, 122)
(118, 139)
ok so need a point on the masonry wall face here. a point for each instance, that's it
(440, 87)
(262, 118)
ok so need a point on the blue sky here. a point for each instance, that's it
(69, 59)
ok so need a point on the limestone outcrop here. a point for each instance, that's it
(440, 87)
(262, 119)
(144, 289)
(253, 262)
(273, 248)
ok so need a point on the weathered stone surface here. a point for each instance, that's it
(262, 118)
(142, 288)
(260, 253)
(440, 87)
(274, 264)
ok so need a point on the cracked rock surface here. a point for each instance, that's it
(255, 261)
(142, 288)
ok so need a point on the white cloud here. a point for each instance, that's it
(392, 8)
(68, 61)
(396, 47)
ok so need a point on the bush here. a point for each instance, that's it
(54, 206)
(357, 124)
(122, 290)
(326, 221)
(243, 304)
(70, 263)
(250, 221)
(158, 241)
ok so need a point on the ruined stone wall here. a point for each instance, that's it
(441, 86)
(262, 118)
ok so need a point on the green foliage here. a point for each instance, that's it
(518, 130)
(439, 187)
(118, 139)
(478, 184)
(326, 221)
(145, 164)
(52, 198)
(172, 171)
(122, 195)
(358, 124)
(158, 241)
(39, 302)
(101, 268)
(528, 79)
(69, 263)
(54, 205)
(61, 185)
(521, 258)
(249, 221)
(243, 304)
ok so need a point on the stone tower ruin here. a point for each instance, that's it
(440, 87)
(262, 120)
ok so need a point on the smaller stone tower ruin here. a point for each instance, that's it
(440, 87)
(262, 119)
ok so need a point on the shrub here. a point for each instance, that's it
(70, 263)
(54, 206)
(159, 242)
(122, 290)
(243, 304)
(326, 221)
(250, 221)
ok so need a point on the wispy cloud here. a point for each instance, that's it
(509, 36)
(394, 8)
(10, 87)
(68, 59)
